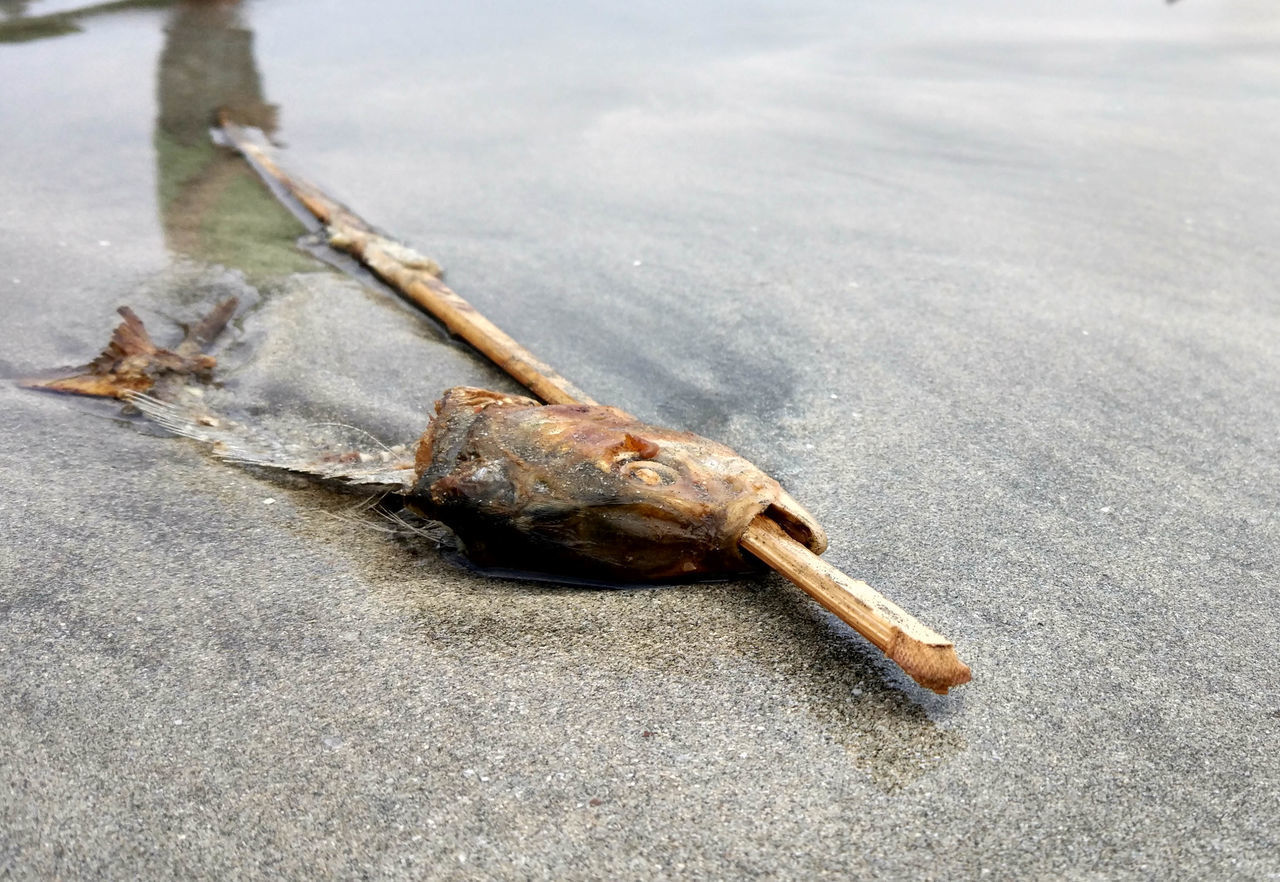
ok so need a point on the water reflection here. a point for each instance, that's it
(212, 206)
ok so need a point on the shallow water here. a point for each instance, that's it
(989, 286)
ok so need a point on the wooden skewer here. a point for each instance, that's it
(928, 657)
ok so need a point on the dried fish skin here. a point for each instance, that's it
(585, 490)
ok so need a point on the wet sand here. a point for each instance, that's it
(990, 290)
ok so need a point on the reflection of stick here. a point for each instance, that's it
(928, 657)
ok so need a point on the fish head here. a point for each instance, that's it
(586, 490)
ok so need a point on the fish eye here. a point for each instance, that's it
(651, 473)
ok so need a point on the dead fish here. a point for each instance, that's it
(587, 490)
(582, 491)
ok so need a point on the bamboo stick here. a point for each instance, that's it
(928, 657)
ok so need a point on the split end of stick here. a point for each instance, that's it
(935, 667)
